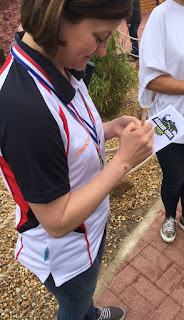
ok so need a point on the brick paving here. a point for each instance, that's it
(150, 283)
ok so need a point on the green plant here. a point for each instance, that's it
(113, 77)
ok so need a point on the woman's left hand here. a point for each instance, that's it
(114, 128)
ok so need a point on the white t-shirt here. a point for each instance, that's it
(162, 53)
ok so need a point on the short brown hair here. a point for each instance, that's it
(43, 18)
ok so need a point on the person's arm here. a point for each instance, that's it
(166, 85)
(114, 128)
(68, 212)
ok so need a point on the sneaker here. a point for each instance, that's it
(168, 230)
(110, 313)
(181, 222)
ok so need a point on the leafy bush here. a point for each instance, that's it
(113, 77)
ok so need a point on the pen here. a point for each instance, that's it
(144, 115)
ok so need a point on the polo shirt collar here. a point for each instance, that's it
(62, 86)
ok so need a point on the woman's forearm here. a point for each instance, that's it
(166, 85)
(68, 212)
(108, 132)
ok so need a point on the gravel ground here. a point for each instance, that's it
(22, 296)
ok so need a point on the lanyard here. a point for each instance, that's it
(27, 62)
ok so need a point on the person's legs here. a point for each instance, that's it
(75, 297)
(182, 199)
(171, 162)
(181, 220)
(133, 33)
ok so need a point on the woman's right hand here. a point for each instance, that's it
(136, 144)
(63, 215)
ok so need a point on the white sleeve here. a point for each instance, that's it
(152, 55)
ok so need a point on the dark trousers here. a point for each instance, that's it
(171, 160)
(133, 33)
(75, 297)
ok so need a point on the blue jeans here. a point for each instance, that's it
(75, 297)
(133, 33)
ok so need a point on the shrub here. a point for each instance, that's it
(113, 77)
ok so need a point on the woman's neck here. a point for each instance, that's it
(28, 39)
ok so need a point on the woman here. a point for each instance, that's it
(52, 147)
(161, 78)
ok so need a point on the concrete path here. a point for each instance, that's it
(147, 276)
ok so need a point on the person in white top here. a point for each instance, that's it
(161, 82)
(52, 147)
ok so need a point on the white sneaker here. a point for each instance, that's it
(168, 230)
(181, 222)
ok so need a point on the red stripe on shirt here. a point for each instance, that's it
(86, 237)
(7, 62)
(15, 190)
(62, 115)
(19, 249)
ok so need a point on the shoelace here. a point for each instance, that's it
(105, 314)
(169, 226)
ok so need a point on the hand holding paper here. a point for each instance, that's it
(168, 125)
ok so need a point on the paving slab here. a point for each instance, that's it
(150, 277)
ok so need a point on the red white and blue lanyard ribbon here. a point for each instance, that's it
(28, 63)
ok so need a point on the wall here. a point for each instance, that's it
(9, 22)
(149, 5)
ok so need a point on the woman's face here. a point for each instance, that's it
(84, 39)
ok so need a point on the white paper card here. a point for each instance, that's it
(168, 125)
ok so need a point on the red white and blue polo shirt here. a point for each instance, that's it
(45, 153)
